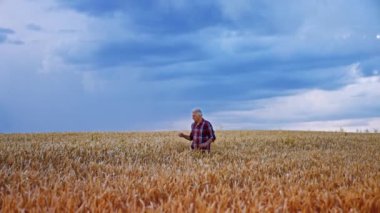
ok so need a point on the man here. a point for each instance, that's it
(202, 133)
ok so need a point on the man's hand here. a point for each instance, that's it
(204, 145)
(187, 137)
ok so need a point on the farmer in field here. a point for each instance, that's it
(202, 134)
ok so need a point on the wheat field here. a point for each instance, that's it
(246, 171)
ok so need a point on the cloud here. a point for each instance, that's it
(226, 47)
(4, 33)
(147, 52)
(34, 27)
(343, 106)
(92, 83)
(162, 17)
(371, 124)
(96, 65)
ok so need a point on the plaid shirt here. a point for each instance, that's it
(202, 132)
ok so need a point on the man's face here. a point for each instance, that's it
(196, 117)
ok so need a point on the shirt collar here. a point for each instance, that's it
(197, 124)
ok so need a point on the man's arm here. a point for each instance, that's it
(187, 137)
(211, 132)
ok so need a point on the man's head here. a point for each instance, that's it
(197, 115)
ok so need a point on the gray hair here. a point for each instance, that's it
(198, 111)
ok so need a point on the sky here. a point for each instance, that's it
(95, 65)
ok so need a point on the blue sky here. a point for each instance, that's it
(144, 65)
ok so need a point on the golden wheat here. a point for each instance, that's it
(247, 171)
